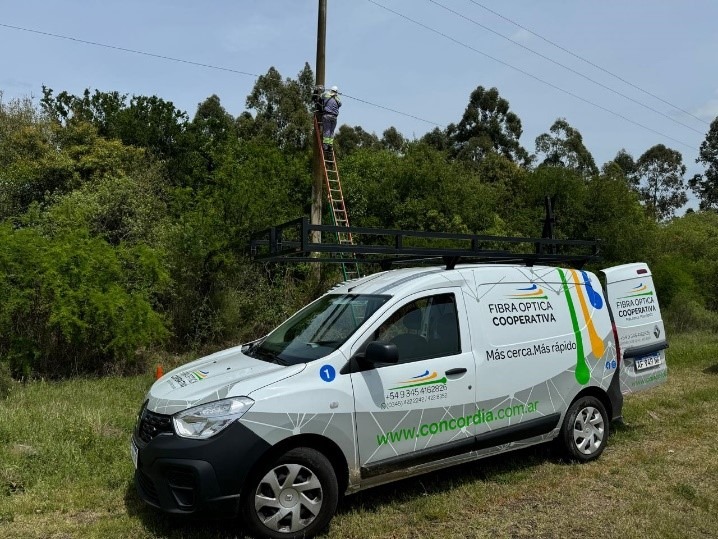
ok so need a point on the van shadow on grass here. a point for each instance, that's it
(506, 468)
(160, 524)
(713, 369)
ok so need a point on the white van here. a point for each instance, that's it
(396, 374)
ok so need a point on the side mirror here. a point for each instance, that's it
(381, 352)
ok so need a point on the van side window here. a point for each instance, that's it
(423, 329)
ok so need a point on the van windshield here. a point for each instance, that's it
(318, 329)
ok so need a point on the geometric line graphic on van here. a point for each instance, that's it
(638, 290)
(597, 346)
(199, 375)
(593, 296)
(583, 375)
(424, 379)
(532, 292)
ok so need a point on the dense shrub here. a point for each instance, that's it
(73, 303)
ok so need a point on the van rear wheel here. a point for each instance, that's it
(585, 430)
(295, 496)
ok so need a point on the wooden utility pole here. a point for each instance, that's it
(317, 175)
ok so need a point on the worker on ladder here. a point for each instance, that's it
(330, 111)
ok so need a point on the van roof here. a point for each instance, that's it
(404, 281)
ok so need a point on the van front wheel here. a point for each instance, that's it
(585, 429)
(295, 496)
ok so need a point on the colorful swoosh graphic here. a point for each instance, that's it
(638, 290)
(583, 374)
(593, 296)
(531, 292)
(424, 379)
(200, 375)
(597, 346)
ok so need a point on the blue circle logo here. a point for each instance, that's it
(327, 373)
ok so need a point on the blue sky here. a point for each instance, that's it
(667, 48)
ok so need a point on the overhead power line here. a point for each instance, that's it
(589, 62)
(124, 49)
(392, 110)
(190, 62)
(568, 68)
(531, 75)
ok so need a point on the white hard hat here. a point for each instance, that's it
(335, 89)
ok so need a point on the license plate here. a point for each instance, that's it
(647, 362)
(133, 453)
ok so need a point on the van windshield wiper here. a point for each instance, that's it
(265, 355)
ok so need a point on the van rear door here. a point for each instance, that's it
(639, 326)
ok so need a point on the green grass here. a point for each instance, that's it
(65, 472)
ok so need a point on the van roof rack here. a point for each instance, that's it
(295, 241)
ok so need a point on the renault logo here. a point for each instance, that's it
(656, 332)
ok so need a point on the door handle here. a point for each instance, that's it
(458, 370)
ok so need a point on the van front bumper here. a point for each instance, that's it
(180, 475)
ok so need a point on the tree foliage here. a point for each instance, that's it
(124, 224)
(72, 303)
(661, 171)
(487, 126)
(705, 185)
(282, 110)
(564, 148)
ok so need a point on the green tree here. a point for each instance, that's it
(212, 127)
(40, 159)
(350, 139)
(255, 185)
(567, 189)
(662, 187)
(487, 126)
(417, 190)
(282, 110)
(615, 215)
(147, 122)
(391, 139)
(564, 148)
(627, 164)
(705, 185)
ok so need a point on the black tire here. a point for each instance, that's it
(585, 430)
(294, 496)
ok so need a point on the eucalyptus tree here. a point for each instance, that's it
(564, 148)
(705, 185)
(662, 186)
(487, 125)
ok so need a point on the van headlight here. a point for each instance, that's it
(206, 420)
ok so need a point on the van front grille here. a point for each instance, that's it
(152, 424)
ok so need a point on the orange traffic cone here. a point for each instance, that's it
(159, 372)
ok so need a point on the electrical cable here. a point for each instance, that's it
(190, 62)
(124, 49)
(542, 81)
(392, 110)
(589, 62)
(637, 102)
